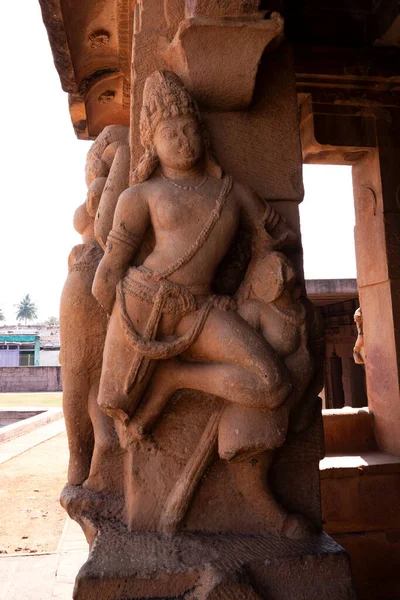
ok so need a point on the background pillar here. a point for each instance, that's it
(376, 181)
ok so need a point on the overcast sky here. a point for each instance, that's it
(43, 178)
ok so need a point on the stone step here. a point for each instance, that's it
(359, 492)
(349, 431)
(21, 444)
(375, 563)
(25, 420)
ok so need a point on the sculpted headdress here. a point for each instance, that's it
(165, 97)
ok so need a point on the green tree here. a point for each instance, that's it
(2, 317)
(26, 309)
(52, 322)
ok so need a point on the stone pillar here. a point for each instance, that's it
(220, 443)
(377, 235)
(342, 127)
(250, 105)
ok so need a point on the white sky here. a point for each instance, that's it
(43, 178)
(327, 222)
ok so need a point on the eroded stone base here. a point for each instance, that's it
(125, 565)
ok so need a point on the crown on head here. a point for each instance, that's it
(164, 97)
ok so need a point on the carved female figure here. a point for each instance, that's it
(165, 306)
(359, 350)
(83, 324)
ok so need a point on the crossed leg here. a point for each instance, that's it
(229, 359)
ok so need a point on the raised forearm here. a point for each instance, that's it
(283, 235)
(270, 230)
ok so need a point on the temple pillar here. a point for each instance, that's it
(377, 236)
(248, 99)
(204, 479)
(361, 128)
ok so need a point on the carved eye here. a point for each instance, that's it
(169, 134)
(192, 129)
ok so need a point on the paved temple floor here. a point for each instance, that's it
(42, 576)
(22, 443)
(45, 576)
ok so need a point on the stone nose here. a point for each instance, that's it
(183, 141)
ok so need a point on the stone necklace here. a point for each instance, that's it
(185, 187)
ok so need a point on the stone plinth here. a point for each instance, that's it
(134, 565)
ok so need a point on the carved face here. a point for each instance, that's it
(179, 143)
(271, 276)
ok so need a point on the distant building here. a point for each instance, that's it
(19, 349)
(32, 346)
(337, 300)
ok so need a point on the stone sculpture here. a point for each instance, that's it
(194, 225)
(358, 351)
(269, 302)
(83, 326)
(213, 396)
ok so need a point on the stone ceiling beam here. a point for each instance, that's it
(91, 43)
(91, 46)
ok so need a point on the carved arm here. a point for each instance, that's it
(131, 221)
(270, 230)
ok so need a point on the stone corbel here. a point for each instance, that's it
(218, 58)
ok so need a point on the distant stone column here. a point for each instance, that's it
(376, 182)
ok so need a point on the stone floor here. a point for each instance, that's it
(45, 576)
(49, 576)
(24, 442)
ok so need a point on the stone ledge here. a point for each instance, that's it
(149, 565)
(12, 448)
(30, 424)
(357, 492)
(349, 430)
(355, 465)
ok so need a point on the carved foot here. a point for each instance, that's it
(95, 483)
(297, 527)
(74, 502)
(81, 503)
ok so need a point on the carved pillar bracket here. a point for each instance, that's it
(228, 83)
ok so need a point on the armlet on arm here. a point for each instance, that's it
(278, 227)
(121, 236)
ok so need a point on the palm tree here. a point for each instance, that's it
(2, 317)
(27, 309)
(52, 322)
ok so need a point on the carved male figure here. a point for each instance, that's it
(269, 300)
(165, 306)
